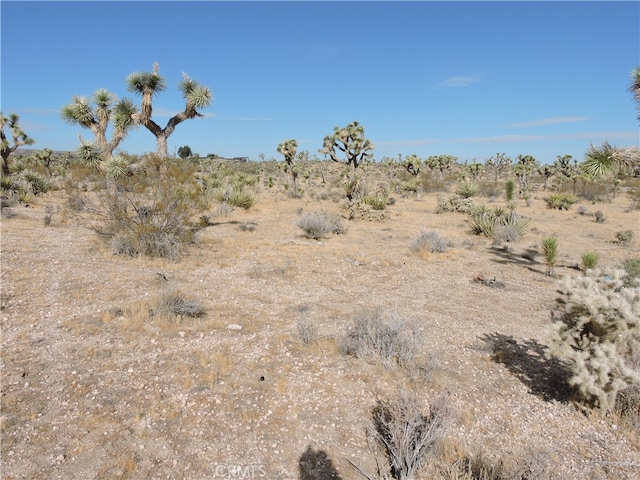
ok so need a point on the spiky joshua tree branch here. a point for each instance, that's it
(148, 84)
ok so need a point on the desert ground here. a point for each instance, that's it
(99, 383)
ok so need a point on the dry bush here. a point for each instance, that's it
(318, 225)
(407, 429)
(430, 242)
(389, 340)
(176, 303)
(143, 216)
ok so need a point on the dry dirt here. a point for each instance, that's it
(94, 387)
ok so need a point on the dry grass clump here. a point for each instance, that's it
(176, 303)
(389, 340)
(318, 225)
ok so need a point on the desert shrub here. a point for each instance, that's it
(560, 201)
(306, 328)
(589, 261)
(550, 254)
(392, 341)
(600, 217)
(176, 303)
(430, 242)
(624, 236)
(467, 189)
(582, 210)
(632, 268)
(407, 429)
(497, 224)
(318, 225)
(155, 222)
(377, 201)
(455, 203)
(596, 330)
(235, 196)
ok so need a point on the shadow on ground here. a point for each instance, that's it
(546, 378)
(316, 465)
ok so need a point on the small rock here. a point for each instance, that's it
(234, 326)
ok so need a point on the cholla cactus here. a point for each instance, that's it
(349, 140)
(596, 328)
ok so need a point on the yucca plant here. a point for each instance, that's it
(589, 261)
(550, 254)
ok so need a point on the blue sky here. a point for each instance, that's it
(468, 79)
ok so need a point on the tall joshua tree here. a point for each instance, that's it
(288, 149)
(107, 108)
(19, 138)
(351, 141)
(148, 84)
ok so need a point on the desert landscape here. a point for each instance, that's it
(237, 355)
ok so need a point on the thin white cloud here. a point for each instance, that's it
(463, 81)
(613, 135)
(548, 121)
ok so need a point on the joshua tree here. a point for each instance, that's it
(441, 163)
(288, 149)
(635, 87)
(108, 108)
(349, 140)
(18, 135)
(568, 169)
(148, 84)
(499, 165)
(524, 169)
(412, 164)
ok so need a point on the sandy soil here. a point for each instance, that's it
(94, 387)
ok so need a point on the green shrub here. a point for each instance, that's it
(236, 196)
(589, 261)
(379, 201)
(596, 330)
(561, 201)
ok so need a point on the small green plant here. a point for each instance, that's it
(378, 201)
(318, 225)
(509, 187)
(550, 254)
(235, 196)
(561, 201)
(589, 261)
